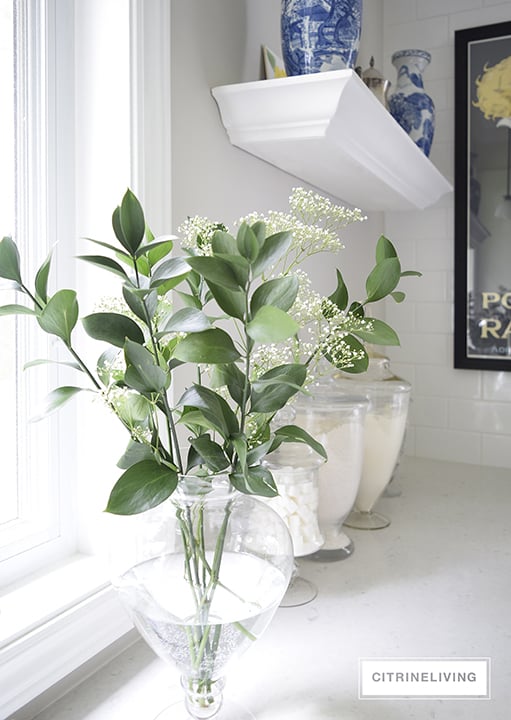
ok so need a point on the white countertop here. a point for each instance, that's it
(435, 583)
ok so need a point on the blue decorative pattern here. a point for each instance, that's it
(320, 35)
(410, 105)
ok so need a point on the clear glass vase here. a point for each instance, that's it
(202, 575)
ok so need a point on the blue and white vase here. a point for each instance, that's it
(409, 103)
(320, 35)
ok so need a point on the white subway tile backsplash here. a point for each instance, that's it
(434, 317)
(487, 15)
(496, 451)
(430, 412)
(442, 157)
(447, 382)
(431, 287)
(398, 11)
(400, 315)
(440, 90)
(483, 417)
(444, 127)
(430, 8)
(435, 253)
(497, 386)
(448, 445)
(422, 349)
(426, 35)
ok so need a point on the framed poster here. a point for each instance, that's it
(482, 204)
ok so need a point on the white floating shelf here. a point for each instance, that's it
(330, 131)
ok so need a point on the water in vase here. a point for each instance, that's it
(202, 638)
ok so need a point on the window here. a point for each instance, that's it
(90, 116)
(33, 528)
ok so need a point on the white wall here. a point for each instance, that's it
(456, 415)
(460, 415)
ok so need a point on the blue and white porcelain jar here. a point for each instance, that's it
(320, 35)
(409, 103)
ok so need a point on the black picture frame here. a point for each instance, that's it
(482, 160)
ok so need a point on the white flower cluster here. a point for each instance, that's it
(308, 305)
(196, 234)
(314, 209)
(266, 357)
(314, 221)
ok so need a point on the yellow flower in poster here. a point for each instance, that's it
(493, 89)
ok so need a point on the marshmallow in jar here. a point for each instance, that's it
(336, 420)
(295, 470)
(385, 425)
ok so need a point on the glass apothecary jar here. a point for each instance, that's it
(295, 470)
(336, 420)
(385, 425)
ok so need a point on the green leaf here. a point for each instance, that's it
(259, 230)
(15, 309)
(272, 249)
(273, 389)
(384, 249)
(142, 302)
(339, 297)
(381, 334)
(223, 242)
(41, 280)
(257, 453)
(411, 273)
(280, 292)
(213, 407)
(156, 250)
(231, 376)
(45, 361)
(398, 296)
(124, 256)
(383, 279)
(239, 266)
(112, 328)
(141, 487)
(142, 373)
(106, 366)
(293, 433)
(271, 324)
(187, 320)
(60, 315)
(106, 263)
(172, 269)
(239, 442)
(216, 270)
(132, 222)
(54, 400)
(134, 453)
(231, 302)
(255, 481)
(247, 243)
(10, 260)
(189, 300)
(210, 452)
(207, 347)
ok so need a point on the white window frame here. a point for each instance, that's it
(77, 616)
(41, 533)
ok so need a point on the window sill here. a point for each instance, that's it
(52, 625)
